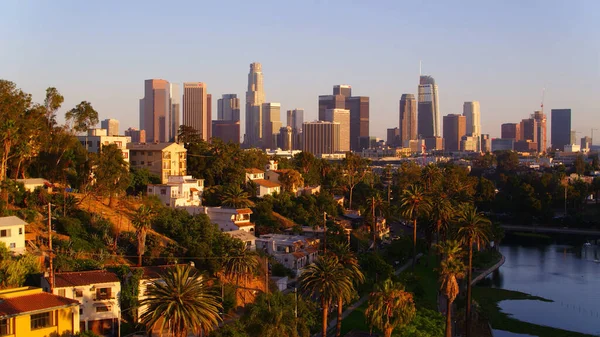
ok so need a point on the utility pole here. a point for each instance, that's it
(374, 225)
(50, 255)
(267, 276)
(324, 233)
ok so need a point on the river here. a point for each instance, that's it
(568, 275)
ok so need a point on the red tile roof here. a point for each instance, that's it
(81, 278)
(34, 302)
(266, 183)
(244, 211)
(254, 170)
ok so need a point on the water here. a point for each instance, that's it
(570, 276)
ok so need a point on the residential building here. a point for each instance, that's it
(285, 139)
(341, 116)
(408, 118)
(255, 97)
(511, 131)
(275, 176)
(228, 108)
(97, 292)
(30, 312)
(321, 137)
(12, 233)
(161, 159)
(179, 191)
(455, 127)
(540, 130)
(154, 108)
(264, 186)
(294, 252)
(394, 137)
(271, 113)
(137, 136)
(228, 219)
(560, 128)
(97, 138)
(196, 113)
(428, 108)
(111, 126)
(254, 174)
(502, 144)
(486, 143)
(173, 121)
(246, 237)
(226, 130)
(31, 184)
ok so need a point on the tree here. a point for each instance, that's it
(15, 269)
(431, 176)
(82, 117)
(390, 307)
(290, 180)
(355, 169)
(442, 211)
(142, 220)
(413, 203)
(451, 270)
(111, 172)
(326, 279)
(240, 263)
(188, 135)
(183, 303)
(473, 230)
(508, 161)
(234, 196)
(579, 164)
(52, 103)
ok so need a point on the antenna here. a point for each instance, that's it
(543, 94)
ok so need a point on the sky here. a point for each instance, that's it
(501, 53)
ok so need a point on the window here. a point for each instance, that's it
(125, 155)
(13, 245)
(4, 233)
(142, 163)
(20, 231)
(163, 191)
(78, 293)
(103, 308)
(142, 153)
(149, 163)
(133, 162)
(80, 311)
(61, 292)
(5, 327)
(103, 294)
(42, 320)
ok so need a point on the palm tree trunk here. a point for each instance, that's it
(350, 203)
(469, 279)
(448, 318)
(414, 243)
(388, 332)
(325, 313)
(139, 259)
(338, 328)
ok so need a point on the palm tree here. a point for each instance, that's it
(414, 202)
(327, 279)
(239, 264)
(431, 176)
(390, 307)
(348, 260)
(441, 212)
(236, 197)
(473, 229)
(451, 270)
(182, 301)
(142, 222)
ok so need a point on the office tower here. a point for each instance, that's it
(429, 111)
(209, 115)
(586, 143)
(510, 131)
(285, 139)
(228, 108)
(455, 127)
(153, 110)
(469, 143)
(271, 113)
(408, 118)
(321, 137)
(393, 137)
(541, 131)
(137, 136)
(529, 130)
(472, 113)
(560, 127)
(295, 119)
(111, 126)
(341, 116)
(330, 102)
(255, 97)
(503, 144)
(173, 120)
(195, 108)
(342, 89)
(359, 120)
(573, 138)
(226, 130)
(434, 144)
(486, 143)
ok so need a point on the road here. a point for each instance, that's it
(543, 229)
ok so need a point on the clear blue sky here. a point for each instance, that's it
(501, 53)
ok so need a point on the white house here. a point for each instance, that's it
(12, 233)
(254, 174)
(97, 138)
(266, 187)
(228, 219)
(150, 275)
(179, 191)
(294, 252)
(98, 293)
(32, 183)
(246, 237)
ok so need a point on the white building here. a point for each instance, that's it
(12, 233)
(341, 116)
(572, 148)
(254, 174)
(469, 144)
(31, 184)
(265, 187)
(96, 138)
(246, 237)
(98, 293)
(179, 191)
(228, 219)
(294, 252)
(111, 126)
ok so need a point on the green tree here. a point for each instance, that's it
(290, 180)
(111, 172)
(15, 269)
(142, 221)
(182, 303)
(442, 212)
(327, 279)
(188, 135)
(390, 307)
(451, 270)
(234, 196)
(414, 203)
(473, 230)
(507, 161)
(431, 176)
(52, 103)
(82, 117)
(355, 169)
(579, 164)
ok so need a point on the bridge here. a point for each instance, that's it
(543, 229)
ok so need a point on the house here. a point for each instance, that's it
(266, 187)
(32, 183)
(246, 237)
(97, 138)
(179, 191)
(228, 219)
(294, 252)
(97, 293)
(149, 275)
(30, 312)
(254, 174)
(161, 159)
(12, 233)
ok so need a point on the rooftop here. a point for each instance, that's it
(81, 278)
(12, 220)
(33, 181)
(151, 146)
(32, 302)
(254, 170)
(242, 235)
(266, 183)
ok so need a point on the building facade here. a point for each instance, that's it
(12, 233)
(408, 118)
(196, 113)
(295, 119)
(179, 191)
(560, 126)
(255, 97)
(154, 108)
(137, 136)
(271, 124)
(393, 137)
(541, 130)
(173, 120)
(321, 137)
(226, 130)
(486, 143)
(455, 127)
(111, 126)
(341, 116)
(97, 138)
(161, 159)
(294, 252)
(510, 131)
(428, 108)
(359, 120)
(529, 130)
(228, 108)
(285, 139)
(502, 144)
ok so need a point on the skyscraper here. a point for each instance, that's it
(226, 130)
(154, 108)
(510, 131)
(271, 124)
(429, 110)
(209, 115)
(173, 120)
(321, 137)
(341, 116)
(195, 108)
(255, 97)
(111, 126)
(540, 130)
(393, 137)
(359, 120)
(342, 89)
(295, 119)
(330, 102)
(529, 130)
(560, 128)
(285, 137)
(228, 108)
(408, 118)
(455, 127)
(473, 115)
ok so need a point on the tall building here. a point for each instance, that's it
(408, 118)
(341, 116)
(255, 97)
(330, 102)
(271, 124)
(209, 115)
(111, 126)
(195, 108)
(472, 113)
(586, 143)
(342, 89)
(428, 109)
(173, 120)
(228, 108)
(226, 130)
(321, 137)
(560, 128)
(295, 119)
(154, 108)
(540, 130)
(359, 112)
(529, 130)
(511, 131)
(573, 138)
(455, 127)
(285, 138)
(393, 137)
(137, 136)
(486, 143)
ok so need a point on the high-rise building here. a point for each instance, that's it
(511, 131)
(330, 102)
(472, 113)
(285, 138)
(455, 127)
(560, 127)
(529, 130)
(573, 138)
(486, 143)
(503, 144)
(359, 112)
(321, 137)
(255, 97)
(341, 116)
(408, 118)
(271, 124)
(226, 130)
(111, 126)
(228, 108)
(541, 130)
(195, 108)
(209, 115)
(586, 143)
(295, 119)
(393, 137)
(137, 136)
(342, 89)
(154, 108)
(173, 120)
(428, 110)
